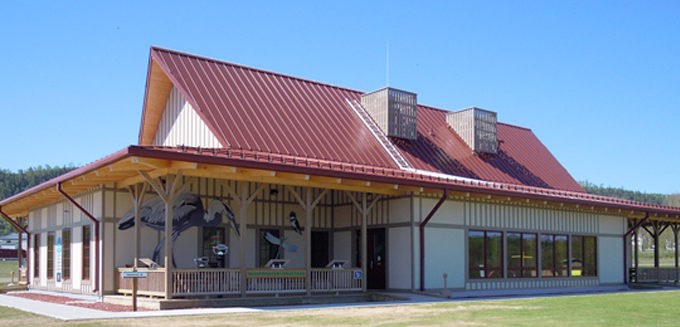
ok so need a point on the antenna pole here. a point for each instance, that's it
(387, 63)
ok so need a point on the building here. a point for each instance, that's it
(398, 195)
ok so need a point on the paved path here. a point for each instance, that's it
(69, 312)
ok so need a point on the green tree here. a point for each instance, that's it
(12, 183)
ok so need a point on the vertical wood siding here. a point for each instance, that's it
(493, 216)
(181, 125)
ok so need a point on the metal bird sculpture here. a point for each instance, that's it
(280, 243)
(187, 212)
(294, 222)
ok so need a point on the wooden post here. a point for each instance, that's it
(244, 199)
(364, 208)
(636, 253)
(137, 195)
(308, 239)
(19, 254)
(676, 229)
(167, 193)
(308, 206)
(364, 243)
(243, 221)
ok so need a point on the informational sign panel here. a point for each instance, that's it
(57, 262)
(134, 274)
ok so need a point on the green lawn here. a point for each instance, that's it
(619, 309)
(6, 268)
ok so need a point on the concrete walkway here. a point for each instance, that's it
(72, 313)
(69, 312)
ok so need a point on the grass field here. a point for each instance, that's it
(619, 309)
(6, 268)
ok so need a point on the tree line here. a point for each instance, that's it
(15, 182)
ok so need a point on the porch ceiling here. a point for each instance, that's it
(124, 172)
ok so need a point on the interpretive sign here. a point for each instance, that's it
(275, 273)
(134, 274)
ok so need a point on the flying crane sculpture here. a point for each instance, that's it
(187, 212)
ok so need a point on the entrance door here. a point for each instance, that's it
(376, 259)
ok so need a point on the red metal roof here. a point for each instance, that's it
(257, 110)
(278, 162)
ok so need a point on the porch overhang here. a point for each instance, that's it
(122, 169)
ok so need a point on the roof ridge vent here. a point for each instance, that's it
(477, 127)
(394, 111)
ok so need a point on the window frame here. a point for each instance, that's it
(555, 267)
(86, 262)
(487, 271)
(524, 271)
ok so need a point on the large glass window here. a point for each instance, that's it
(36, 256)
(522, 254)
(50, 255)
(87, 235)
(268, 251)
(554, 255)
(66, 254)
(583, 256)
(211, 237)
(485, 254)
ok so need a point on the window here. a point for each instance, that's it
(268, 251)
(50, 255)
(554, 255)
(66, 254)
(583, 256)
(36, 256)
(522, 254)
(211, 237)
(87, 235)
(485, 254)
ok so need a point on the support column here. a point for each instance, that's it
(308, 240)
(243, 221)
(364, 208)
(676, 228)
(364, 242)
(137, 193)
(308, 205)
(244, 199)
(636, 254)
(168, 192)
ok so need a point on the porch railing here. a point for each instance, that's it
(657, 274)
(336, 280)
(192, 282)
(152, 285)
(206, 282)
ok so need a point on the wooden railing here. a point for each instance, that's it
(152, 285)
(336, 280)
(275, 281)
(192, 282)
(219, 281)
(657, 274)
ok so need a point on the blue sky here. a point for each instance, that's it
(597, 81)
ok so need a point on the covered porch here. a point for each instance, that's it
(655, 257)
(332, 239)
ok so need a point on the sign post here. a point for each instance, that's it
(134, 274)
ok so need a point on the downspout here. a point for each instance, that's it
(422, 237)
(626, 278)
(96, 234)
(20, 229)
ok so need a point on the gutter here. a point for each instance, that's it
(20, 229)
(96, 234)
(422, 237)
